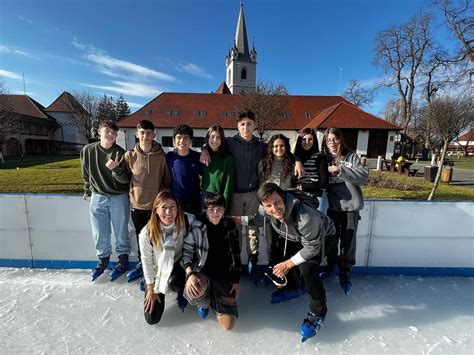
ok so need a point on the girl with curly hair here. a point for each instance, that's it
(277, 165)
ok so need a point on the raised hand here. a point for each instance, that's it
(112, 164)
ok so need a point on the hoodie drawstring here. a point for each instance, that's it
(286, 240)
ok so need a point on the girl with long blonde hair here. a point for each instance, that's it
(161, 245)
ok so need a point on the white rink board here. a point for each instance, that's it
(390, 233)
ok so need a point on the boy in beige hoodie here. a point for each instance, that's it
(149, 175)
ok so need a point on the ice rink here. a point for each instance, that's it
(63, 312)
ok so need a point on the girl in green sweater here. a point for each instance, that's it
(218, 176)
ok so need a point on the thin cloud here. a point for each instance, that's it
(134, 104)
(25, 19)
(193, 69)
(8, 50)
(10, 75)
(115, 67)
(126, 88)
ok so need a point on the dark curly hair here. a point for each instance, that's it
(268, 158)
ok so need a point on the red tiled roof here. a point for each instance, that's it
(469, 136)
(30, 109)
(346, 115)
(64, 103)
(213, 108)
(25, 105)
(222, 89)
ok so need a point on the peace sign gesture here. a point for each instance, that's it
(112, 164)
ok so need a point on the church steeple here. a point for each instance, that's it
(241, 64)
(241, 42)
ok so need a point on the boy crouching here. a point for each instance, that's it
(211, 258)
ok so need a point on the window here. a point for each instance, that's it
(148, 112)
(200, 113)
(243, 75)
(308, 115)
(198, 142)
(284, 115)
(167, 141)
(228, 114)
(173, 113)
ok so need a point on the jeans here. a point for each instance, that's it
(109, 213)
(323, 203)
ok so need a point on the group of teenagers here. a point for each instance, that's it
(191, 210)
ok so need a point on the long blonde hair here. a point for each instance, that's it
(154, 224)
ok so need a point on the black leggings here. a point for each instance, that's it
(346, 230)
(176, 284)
(140, 218)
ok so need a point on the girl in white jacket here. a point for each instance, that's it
(161, 247)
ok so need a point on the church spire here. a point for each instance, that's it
(241, 41)
(241, 62)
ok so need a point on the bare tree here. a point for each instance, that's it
(8, 120)
(357, 94)
(85, 118)
(449, 116)
(393, 112)
(400, 51)
(268, 102)
(458, 17)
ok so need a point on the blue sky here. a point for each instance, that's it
(142, 48)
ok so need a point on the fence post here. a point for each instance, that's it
(369, 237)
(30, 242)
(379, 163)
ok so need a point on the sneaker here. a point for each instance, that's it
(284, 295)
(345, 282)
(311, 326)
(121, 267)
(203, 312)
(181, 301)
(135, 273)
(100, 268)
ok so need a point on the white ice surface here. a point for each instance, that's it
(62, 311)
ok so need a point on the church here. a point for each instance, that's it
(364, 133)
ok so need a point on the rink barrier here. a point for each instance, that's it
(394, 237)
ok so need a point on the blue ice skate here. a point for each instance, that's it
(181, 301)
(100, 268)
(142, 285)
(121, 267)
(326, 272)
(203, 312)
(135, 273)
(254, 273)
(345, 282)
(285, 295)
(311, 326)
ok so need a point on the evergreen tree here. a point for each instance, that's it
(121, 108)
(106, 109)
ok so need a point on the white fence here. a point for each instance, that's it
(405, 237)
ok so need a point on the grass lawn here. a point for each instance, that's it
(42, 174)
(387, 186)
(53, 174)
(462, 163)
